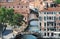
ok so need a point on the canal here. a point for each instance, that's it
(33, 27)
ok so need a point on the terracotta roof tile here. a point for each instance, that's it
(51, 9)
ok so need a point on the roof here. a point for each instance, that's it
(51, 9)
(57, 9)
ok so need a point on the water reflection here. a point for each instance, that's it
(29, 37)
(33, 27)
(34, 22)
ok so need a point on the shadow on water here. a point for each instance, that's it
(29, 37)
(25, 37)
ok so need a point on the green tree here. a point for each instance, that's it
(3, 15)
(17, 20)
(10, 17)
(57, 1)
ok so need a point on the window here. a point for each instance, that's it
(44, 34)
(59, 12)
(45, 18)
(49, 18)
(54, 12)
(54, 18)
(40, 29)
(50, 23)
(21, 6)
(44, 29)
(9, 0)
(49, 12)
(48, 29)
(44, 24)
(40, 24)
(59, 34)
(13, 7)
(53, 5)
(26, 6)
(17, 6)
(48, 34)
(40, 18)
(52, 29)
(51, 34)
(44, 12)
(46, 5)
(59, 17)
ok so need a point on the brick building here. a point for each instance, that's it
(19, 6)
(23, 6)
(49, 13)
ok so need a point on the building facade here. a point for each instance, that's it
(49, 17)
(49, 23)
(49, 13)
(19, 6)
(23, 6)
(49, 20)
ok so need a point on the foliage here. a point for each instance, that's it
(58, 1)
(3, 15)
(8, 16)
(17, 20)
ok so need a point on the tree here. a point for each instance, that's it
(17, 20)
(57, 1)
(10, 17)
(3, 15)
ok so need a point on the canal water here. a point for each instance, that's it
(29, 37)
(33, 28)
